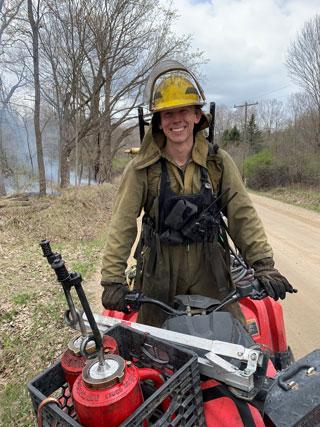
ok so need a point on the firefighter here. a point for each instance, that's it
(182, 183)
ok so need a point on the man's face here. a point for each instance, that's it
(178, 124)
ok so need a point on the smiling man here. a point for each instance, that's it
(182, 183)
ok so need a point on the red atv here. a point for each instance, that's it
(201, 368)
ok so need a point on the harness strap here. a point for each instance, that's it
(218, 391)
(164, 182)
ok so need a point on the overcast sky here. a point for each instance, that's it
(246, 42)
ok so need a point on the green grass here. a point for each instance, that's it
(22, 298)
(9, 315)
(119, 163)
(10, 342)
(15, 407)
(30, 353)
(305, 197)
(90, 256)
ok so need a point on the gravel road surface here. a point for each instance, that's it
(294, 234)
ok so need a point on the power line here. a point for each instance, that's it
(272, 91)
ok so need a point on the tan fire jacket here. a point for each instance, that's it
(140, 185)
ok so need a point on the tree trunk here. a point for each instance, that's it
(89, 174)
(104, 163)
(65, 150)
(106, 169)
(3, 191)
(107, 156)
(318, 130)
(36, 76)
(81, 165)
(65, 166)
(59, 147)
(98, 160)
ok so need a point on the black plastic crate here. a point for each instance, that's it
(178, 366)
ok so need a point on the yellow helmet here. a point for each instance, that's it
(175, 91)
(171, 85)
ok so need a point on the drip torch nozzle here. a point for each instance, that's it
(68, 280)
(47, 252)
(60, 269)
(46, 248)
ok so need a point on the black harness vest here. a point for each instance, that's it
(181, 220)
(185, 219)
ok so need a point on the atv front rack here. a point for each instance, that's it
(209, 355)
(216, 358)
(181, 386)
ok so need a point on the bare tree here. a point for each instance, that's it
(132, 36)
(71, 85)
(98, 57)
(34, 20)
(8, 13)
(303, 62)
(270, 115)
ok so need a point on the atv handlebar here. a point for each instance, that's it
(135, 299)
(252, 290)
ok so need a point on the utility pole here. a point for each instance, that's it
(245, 105)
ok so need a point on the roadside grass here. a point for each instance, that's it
(305, 197)
(22, 298)
(32, 331)
(119, 163)
(30, 342)
(90, 255)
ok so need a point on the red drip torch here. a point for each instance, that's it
(73, 361)
(108, 392)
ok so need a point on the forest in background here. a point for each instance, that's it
(72, 75)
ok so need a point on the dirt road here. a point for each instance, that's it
(294, 234)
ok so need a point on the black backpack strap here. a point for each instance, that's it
(213, 149)
(164, 180)
(219, 391)
(204, 177)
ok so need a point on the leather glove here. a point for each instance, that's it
(274, 283)
(113, 296)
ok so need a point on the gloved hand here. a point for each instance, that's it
(113, 296)
(274, 283)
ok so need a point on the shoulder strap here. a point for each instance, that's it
(213, 149)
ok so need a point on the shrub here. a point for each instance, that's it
(263, 172)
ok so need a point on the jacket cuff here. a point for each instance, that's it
(258, 257)
(108, 280)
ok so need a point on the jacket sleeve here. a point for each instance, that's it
(246, 228)
(122, 229)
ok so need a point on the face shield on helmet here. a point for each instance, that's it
(172, 85)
